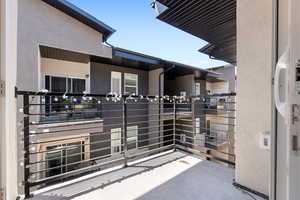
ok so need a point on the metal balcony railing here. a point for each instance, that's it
(86, 133)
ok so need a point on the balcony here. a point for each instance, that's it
(169, 176)
(132, 143)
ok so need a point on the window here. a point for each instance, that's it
(116, 140)
(65, 84)
(62, 84)
(131, 84)
(197, 126)
(132, 137)
(197, 89)
(208, 127)
(60, 157)
(183, 93)
(116, 82)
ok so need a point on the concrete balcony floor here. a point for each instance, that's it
(169, 176)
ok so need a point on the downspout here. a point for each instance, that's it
(160, 78)
(159, 100)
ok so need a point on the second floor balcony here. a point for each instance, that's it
(131, 148)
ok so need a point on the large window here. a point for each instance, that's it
(62, 84)
(63, 158)
(198, 128)
(130, 84)
(65, 84)
(116, 140)
(116, 82)
(132, 137)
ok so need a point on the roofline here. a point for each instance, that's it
(82, 16)
(220, 67)
(159, 60)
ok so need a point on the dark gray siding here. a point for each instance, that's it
(112, 112)
(101, 78)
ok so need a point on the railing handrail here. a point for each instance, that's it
(127, 118)
(42, 93)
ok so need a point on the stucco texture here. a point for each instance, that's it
(254, 86)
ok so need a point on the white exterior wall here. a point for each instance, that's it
(66, 69)
(8, 109)
(218, 87)
(254, 92)
(42, 24)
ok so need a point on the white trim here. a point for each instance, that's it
(118, 140)
(8, 105)
(134, 128)
(87, 89)
(43, 146)
(117, 75)
(130, 86)
(197, 126)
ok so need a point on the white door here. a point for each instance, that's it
(287, 97)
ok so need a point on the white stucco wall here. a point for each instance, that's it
(8, 108)
(41, 24)
(218, 87)
(254, 87)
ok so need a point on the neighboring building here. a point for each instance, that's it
(65, 53)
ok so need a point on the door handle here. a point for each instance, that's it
(281, 66)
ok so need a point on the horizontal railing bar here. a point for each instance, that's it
(215, 103)
(152, 138)
(150, 151)
(151, 132)
(74, 172)
(93, 133)
(71, 147)
(80, 129)
(76, 154)
(185, 125)
(84, 161)
(66, 139)
(205, 135)
(146, 146)
(222, 152)
(204, 115)
(211, 130)
(41, 93)
(177, 129)
(142, 122)
(93, 167)
(224, 110)
(189, 150)
(88, 144)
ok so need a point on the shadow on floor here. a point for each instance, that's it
(204, 181)
(100, 182)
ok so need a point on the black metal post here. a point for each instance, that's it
(193, 117)
(125, 131)
(26, 130)
(174, 123)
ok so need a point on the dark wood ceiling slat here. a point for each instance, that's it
(215, 8)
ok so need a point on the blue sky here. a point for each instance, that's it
(138, 30)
